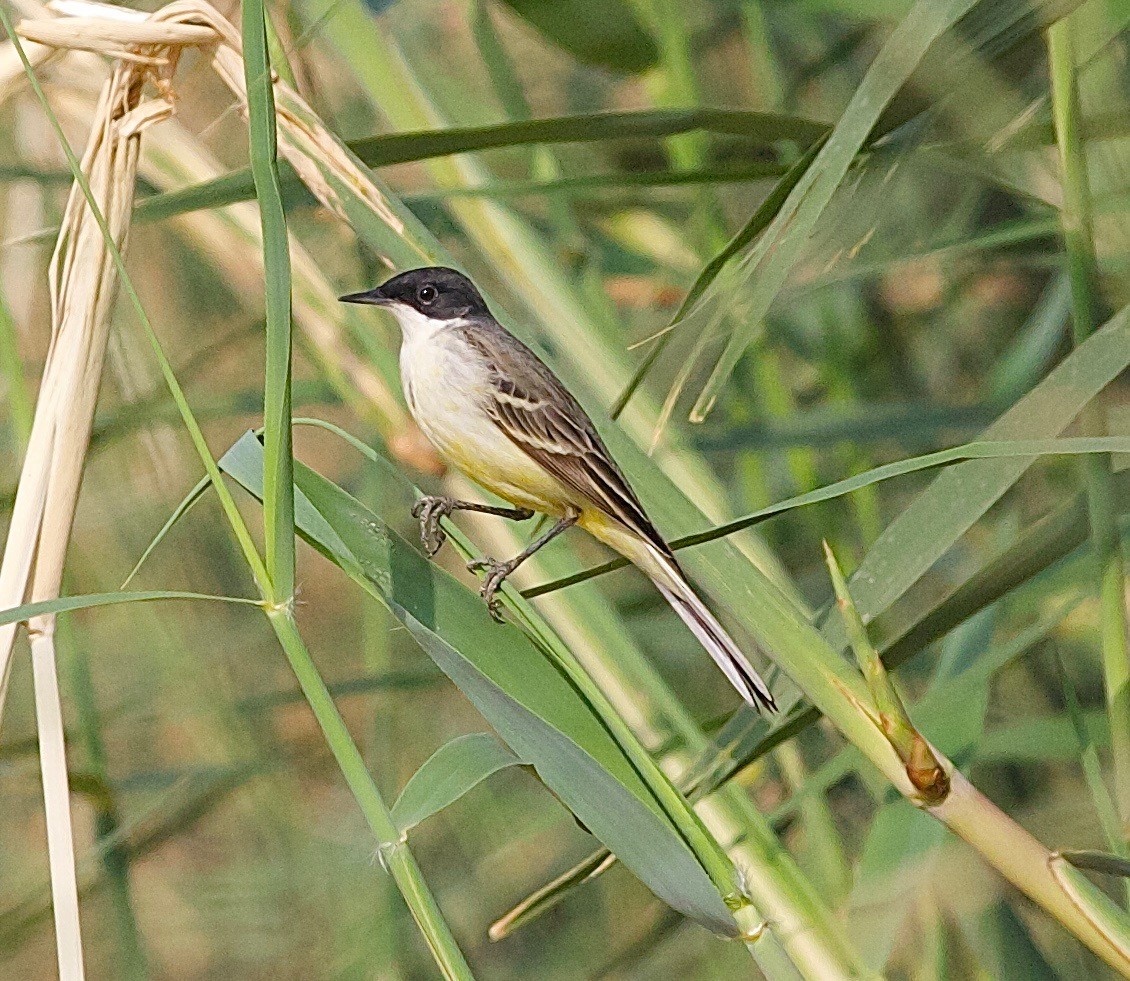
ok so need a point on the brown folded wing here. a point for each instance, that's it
(538, 415)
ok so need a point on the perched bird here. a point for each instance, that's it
(495, 411)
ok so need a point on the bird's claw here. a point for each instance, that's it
(496, 573)
(429, 511)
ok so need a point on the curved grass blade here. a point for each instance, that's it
(398, 148)
(981, 450)
(450, 772)
(186, 505)
(65, 604)
(552, 893)
(768, 264)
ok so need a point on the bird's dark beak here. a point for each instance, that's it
(373, 297)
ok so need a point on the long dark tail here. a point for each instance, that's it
(671, 582)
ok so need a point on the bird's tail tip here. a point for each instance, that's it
(721, 647)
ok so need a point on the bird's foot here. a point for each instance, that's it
(496, 573)
(429, 511)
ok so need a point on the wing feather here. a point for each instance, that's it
(537, 414)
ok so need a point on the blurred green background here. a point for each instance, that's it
(216, 837)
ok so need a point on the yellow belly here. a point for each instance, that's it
(442, 394)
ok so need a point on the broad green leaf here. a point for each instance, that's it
(522, 694)
(606, 33)
(451, 771)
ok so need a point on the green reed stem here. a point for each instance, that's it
(1082, 265)
(392, 846)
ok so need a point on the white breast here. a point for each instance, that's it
(446, 385)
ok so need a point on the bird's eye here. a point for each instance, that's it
(426, 295)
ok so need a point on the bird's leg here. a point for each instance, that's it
(429, 510)
(496, 572)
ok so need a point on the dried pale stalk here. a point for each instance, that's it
(83, 284)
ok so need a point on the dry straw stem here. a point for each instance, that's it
(83, 284)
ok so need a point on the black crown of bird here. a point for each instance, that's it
(497, 413)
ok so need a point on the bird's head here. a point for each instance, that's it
(425, 298)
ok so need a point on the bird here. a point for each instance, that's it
(496, 412)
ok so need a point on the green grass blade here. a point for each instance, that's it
(758, 222)
(962, 494)
(1104, 804)
(396, 148)
(65, 604)
(392, 847)
(187, 504)
(776, 252)
(1083, 271)
(450, 772)
(983, 450)
(278, 490)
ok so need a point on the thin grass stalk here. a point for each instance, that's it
(1082, 265)
(677, 87)
(392, 845)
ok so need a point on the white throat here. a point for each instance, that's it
(416, 326)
